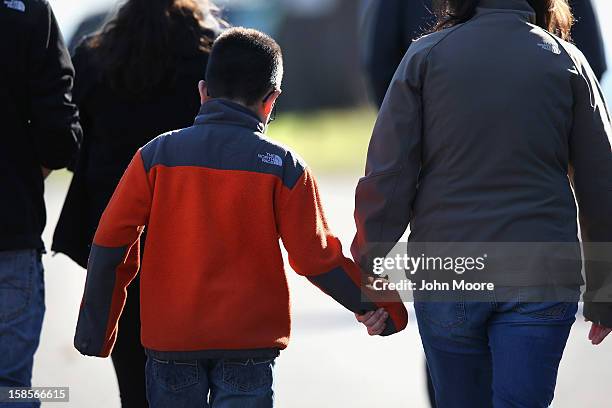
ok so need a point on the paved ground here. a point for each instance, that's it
(331, 362)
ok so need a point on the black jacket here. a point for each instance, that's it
(39, 121)
(115, 125)
(392, 25)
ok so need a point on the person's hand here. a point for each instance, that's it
(375, 322)
(45, 172)
(598, 333)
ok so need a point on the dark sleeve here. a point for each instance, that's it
(114, 261)
(587, 36)
(591, 176)
(384, 197)
(391, 26)
(54, 124)
(85, 80)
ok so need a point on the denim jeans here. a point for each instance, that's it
(494, 354)
(214, 383)
(22, 308)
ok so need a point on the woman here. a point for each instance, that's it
(135, 79)
(487, 123)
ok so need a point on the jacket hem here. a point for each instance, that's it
(213, 354)
(22, 242)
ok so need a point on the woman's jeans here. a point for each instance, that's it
(494, 354)
(214, 383)
(22, 308)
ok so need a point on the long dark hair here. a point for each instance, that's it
(554, 16)
(138, 47)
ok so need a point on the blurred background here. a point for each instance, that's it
(326, 116)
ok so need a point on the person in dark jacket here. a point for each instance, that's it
(135, 79)
(586, 34)
(392, 25)
(40, 133)
(487, 125)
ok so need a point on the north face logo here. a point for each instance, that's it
(270, 158)
(15, 5)
(554, 48)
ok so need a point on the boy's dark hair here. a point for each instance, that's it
(245, 65)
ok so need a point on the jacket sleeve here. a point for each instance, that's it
(591, 176)
(384, 197)
(113, 262)
(54, 125)
(317, 254)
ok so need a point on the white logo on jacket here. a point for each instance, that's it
(554, 48)
(270, 158)
(15, 5)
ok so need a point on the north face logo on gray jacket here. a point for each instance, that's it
(554, 48)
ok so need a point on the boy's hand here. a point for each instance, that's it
(375, 322)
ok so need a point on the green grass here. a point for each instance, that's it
(331, 142)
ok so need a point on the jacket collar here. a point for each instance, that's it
(520, 7)
(226, 112)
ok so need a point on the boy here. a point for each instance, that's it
(215, 199)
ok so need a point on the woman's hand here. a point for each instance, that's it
(598, 333)
(375, 322)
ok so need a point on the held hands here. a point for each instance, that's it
(375, 322)
(390, 317)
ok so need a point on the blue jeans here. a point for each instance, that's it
(22, 308)
(214, 383)
(494, 354)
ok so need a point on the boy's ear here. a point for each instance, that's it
(203, 89)
(268, 105)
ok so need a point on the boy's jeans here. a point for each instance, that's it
(231, 383)
(495, 354)
(22, 308)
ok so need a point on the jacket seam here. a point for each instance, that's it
(381, 173)
(448, 34)
(229, 170)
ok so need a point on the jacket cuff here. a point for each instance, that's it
(398, 318)
(599, 313)
(86, 348)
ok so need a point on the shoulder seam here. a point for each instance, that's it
(451, 31)
(146, 172)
